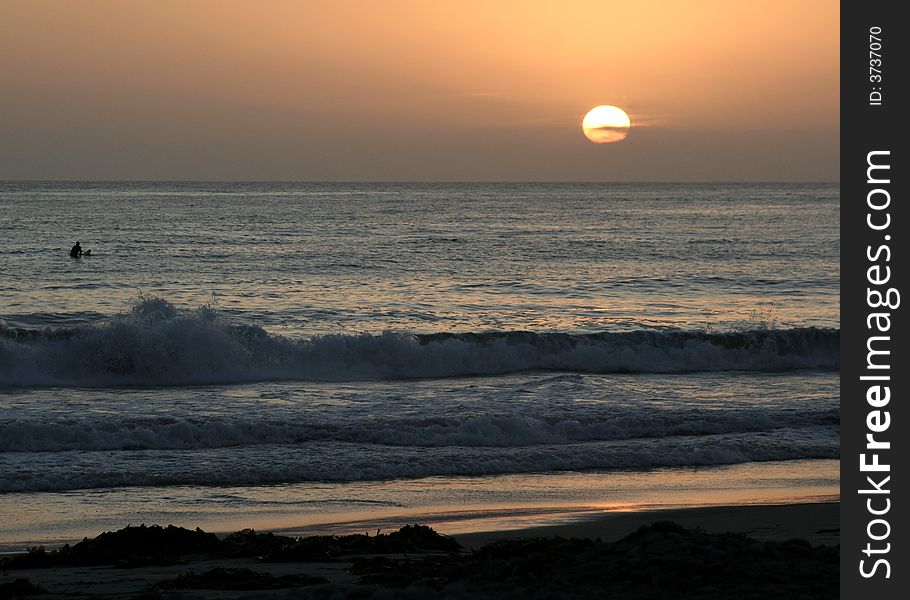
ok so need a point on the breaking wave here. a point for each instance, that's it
(157, 344)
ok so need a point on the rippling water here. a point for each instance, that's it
(265, 334)
(328, 258)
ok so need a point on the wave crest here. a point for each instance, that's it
(157, 344)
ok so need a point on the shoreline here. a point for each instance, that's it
(579, 520)
(795, 518)
(451, 505)
(761, 533)
(816, 522)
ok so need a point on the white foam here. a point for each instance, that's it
(156, 344)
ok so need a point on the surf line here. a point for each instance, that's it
(881, 299)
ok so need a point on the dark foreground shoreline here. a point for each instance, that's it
(700, 554)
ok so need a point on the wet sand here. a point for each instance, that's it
(817, 523)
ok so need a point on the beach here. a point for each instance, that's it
(817, 523)
(486, 360)
(699, 530)
(405, 300)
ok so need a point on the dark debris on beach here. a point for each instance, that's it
(144, 546)
(128, 547)
(659, 561)
(410, 539)
(663, 560)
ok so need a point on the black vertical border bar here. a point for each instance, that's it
(867, 127)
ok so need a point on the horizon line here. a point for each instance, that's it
(426, 181)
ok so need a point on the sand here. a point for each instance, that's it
(818, 524)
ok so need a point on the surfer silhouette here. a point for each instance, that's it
(76, 252)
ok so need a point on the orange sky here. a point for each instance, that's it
(417, 90)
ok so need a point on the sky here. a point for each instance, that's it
(398, 90)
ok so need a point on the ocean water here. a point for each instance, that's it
(326, 349)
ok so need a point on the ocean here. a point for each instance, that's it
(335, 354)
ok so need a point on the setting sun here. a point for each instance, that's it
(605, 124)
(301, 270)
